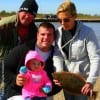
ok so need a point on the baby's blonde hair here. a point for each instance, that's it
(67, 6)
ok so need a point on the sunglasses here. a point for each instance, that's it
(64, 20)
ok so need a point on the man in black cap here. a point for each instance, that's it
(29, 6)
(17, 29)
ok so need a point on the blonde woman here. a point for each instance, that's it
(78, 45)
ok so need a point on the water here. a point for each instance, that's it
(94, 25)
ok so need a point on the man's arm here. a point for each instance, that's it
(11, 62)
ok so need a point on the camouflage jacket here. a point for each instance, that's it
(9, 34)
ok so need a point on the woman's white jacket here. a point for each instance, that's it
(84, 52)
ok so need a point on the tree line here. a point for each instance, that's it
(4, 13)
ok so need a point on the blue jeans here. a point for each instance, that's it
(2, 97)
(75, 97)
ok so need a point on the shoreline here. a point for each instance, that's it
(55, 20)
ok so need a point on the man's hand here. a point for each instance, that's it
(57, 82)
(20, 80)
